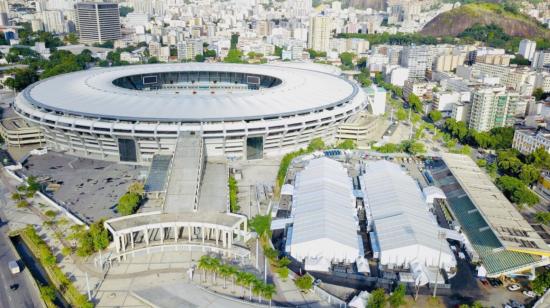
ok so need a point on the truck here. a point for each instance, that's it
(14, 267)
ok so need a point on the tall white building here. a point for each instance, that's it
(188, 50)
(527, 49)
(541, 59)
(53, 21)
(417, 59)
(492, 107)
(98, 22)
(4, 13)
(319, 33)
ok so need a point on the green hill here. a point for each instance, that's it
(513, 23)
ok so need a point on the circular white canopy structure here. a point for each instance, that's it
(93, 93)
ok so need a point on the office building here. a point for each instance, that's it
(98, 22)
(319, 33)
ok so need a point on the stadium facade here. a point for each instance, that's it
(242, 111)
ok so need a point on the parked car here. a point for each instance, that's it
(514, 287)
(529, 293)
(14, 267)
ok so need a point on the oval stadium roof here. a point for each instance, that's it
(92, 93)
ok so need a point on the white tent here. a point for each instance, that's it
(325, 219)
(433, 192)
(405, 230)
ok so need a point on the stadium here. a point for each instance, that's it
(131, 113)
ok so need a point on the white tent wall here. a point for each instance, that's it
(326, 248)
(402, 257)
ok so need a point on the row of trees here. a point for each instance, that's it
(60, 62)
(130, 201)
(45, 256)
(378, 298)
(233, 193)
(25, 191)
(497, 138)
(245, 279)
(406, 146)
(316, 144)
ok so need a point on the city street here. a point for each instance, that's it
(26, 295)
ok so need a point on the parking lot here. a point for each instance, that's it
(88, 188)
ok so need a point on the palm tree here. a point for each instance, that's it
(241, 279)
(225, 271)
(232, 272)
(268, 291)
(250, 279)
(204, 265)
(214, 267)
(258, 288)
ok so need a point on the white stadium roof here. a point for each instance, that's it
(405, 229)
(92, 93)
(325, 219)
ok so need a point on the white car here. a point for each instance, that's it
(529, 293)
(514, 287)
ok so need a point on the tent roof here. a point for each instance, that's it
(401, 217)
(324, 206)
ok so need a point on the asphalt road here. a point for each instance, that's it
(26, 294)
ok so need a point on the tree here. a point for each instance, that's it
(539, 158)
(199, 58)
(100, 235)
(377, 299)
(347, 60)
(509, 163)
(153, 60)
(435, 115)
(136, 188)
(233, 193)
(304, 283)
(397, 298)
(233, 56)
(401, 114)
(128, 203)
(415, 102)
(316, 144)
(413, 148)
(543, 218)
(538, 93)
(204, 265)
(484, 140)
(541, 283)
(516, 191)
(261, 224)
(389, 148)
(529, 174)
(48, 293)
(22, 77)
(346, 145)
(268, 291)
(71, 38)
